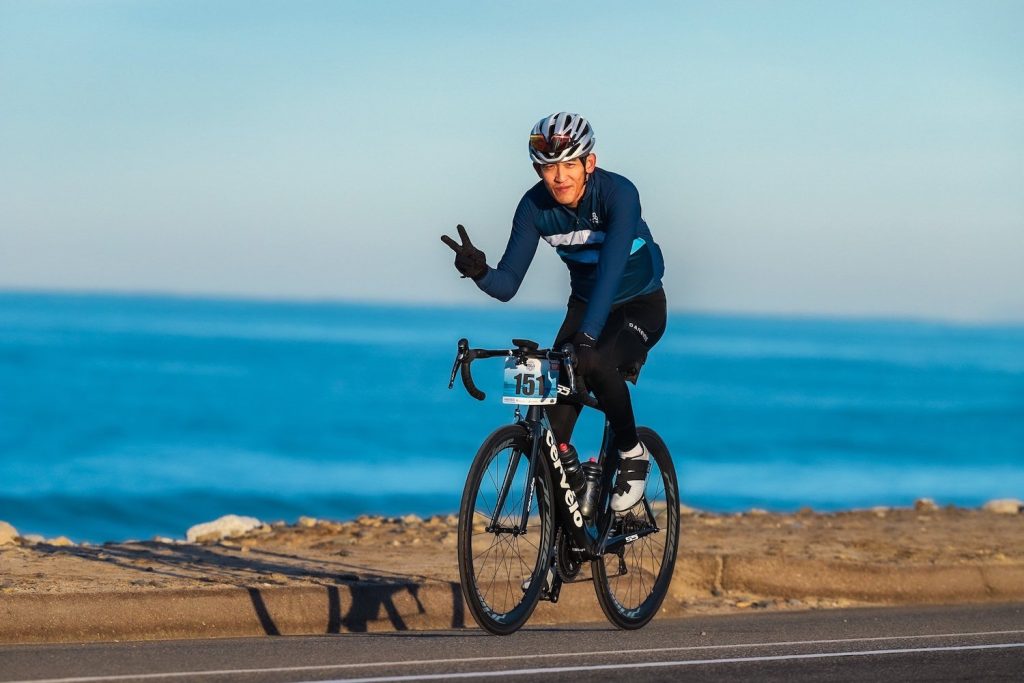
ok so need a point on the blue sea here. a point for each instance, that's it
(125, 417)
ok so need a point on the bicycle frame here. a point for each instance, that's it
(589, 540)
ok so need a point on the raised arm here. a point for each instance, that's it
(503, 282)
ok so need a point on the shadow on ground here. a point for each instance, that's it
(357, 596)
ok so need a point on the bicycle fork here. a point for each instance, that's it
(506, 486)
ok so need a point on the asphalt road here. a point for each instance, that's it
(975, 642)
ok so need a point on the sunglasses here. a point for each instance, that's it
(550, 145)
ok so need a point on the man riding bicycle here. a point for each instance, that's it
(616, 309)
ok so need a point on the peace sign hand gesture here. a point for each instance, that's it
(469, 260)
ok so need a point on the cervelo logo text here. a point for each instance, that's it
(570, 497)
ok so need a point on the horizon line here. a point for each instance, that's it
(313, 300)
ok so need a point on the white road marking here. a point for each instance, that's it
(467, 660)
(652, 665)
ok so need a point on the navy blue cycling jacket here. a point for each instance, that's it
(605, 243)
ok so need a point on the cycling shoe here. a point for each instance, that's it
(631, 480)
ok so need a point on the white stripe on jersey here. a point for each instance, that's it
(573, 238)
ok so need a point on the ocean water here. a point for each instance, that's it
(128, 417)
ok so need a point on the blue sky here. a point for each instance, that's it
(792, 157)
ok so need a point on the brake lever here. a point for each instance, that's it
(460, 357)
(570, 365)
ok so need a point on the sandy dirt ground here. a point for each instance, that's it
(376, 549)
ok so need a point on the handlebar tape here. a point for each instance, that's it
(467, 380)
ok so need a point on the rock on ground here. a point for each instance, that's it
(1004, 506)
(62, 541)
(8, 534)
(227, 526)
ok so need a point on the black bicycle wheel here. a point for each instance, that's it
(632, 585)
(499, 563)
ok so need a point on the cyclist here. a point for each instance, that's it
(616, 308)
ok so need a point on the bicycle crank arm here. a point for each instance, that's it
(621, 540)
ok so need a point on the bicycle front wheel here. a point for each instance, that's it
(632, 584)
(506, 528)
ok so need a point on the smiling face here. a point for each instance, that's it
(567, 180)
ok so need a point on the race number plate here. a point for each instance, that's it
(535, 383)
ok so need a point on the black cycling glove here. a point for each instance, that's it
(586, 352)
(469, 260)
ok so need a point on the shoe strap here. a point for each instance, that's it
(630, 469)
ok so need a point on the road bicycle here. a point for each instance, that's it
(524, 532)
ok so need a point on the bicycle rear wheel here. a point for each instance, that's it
(501, 565)
(632, 585)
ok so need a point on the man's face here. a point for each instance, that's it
(566, 180)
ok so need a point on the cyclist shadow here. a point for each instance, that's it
(355, 600)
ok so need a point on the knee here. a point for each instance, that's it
(602, 374)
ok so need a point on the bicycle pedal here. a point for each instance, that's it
(551, 591)
(552, 585)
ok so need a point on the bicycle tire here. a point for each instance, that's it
(500, 586)
(632, 599)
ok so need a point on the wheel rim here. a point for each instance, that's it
(503, 562)
(645, 557)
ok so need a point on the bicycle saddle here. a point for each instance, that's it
(525, 344)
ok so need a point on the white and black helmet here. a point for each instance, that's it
(561, 137)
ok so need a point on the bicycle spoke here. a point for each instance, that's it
(481, 556)
(497, 567)
(641, 595)
(519, 557)
(526, 537)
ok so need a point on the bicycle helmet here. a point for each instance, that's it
(561, 137)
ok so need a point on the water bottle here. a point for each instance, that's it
(571, 466)
(592, 474)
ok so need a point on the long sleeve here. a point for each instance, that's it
(503, 282)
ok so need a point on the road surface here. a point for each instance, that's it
(968, 642)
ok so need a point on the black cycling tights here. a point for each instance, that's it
(630, 332)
